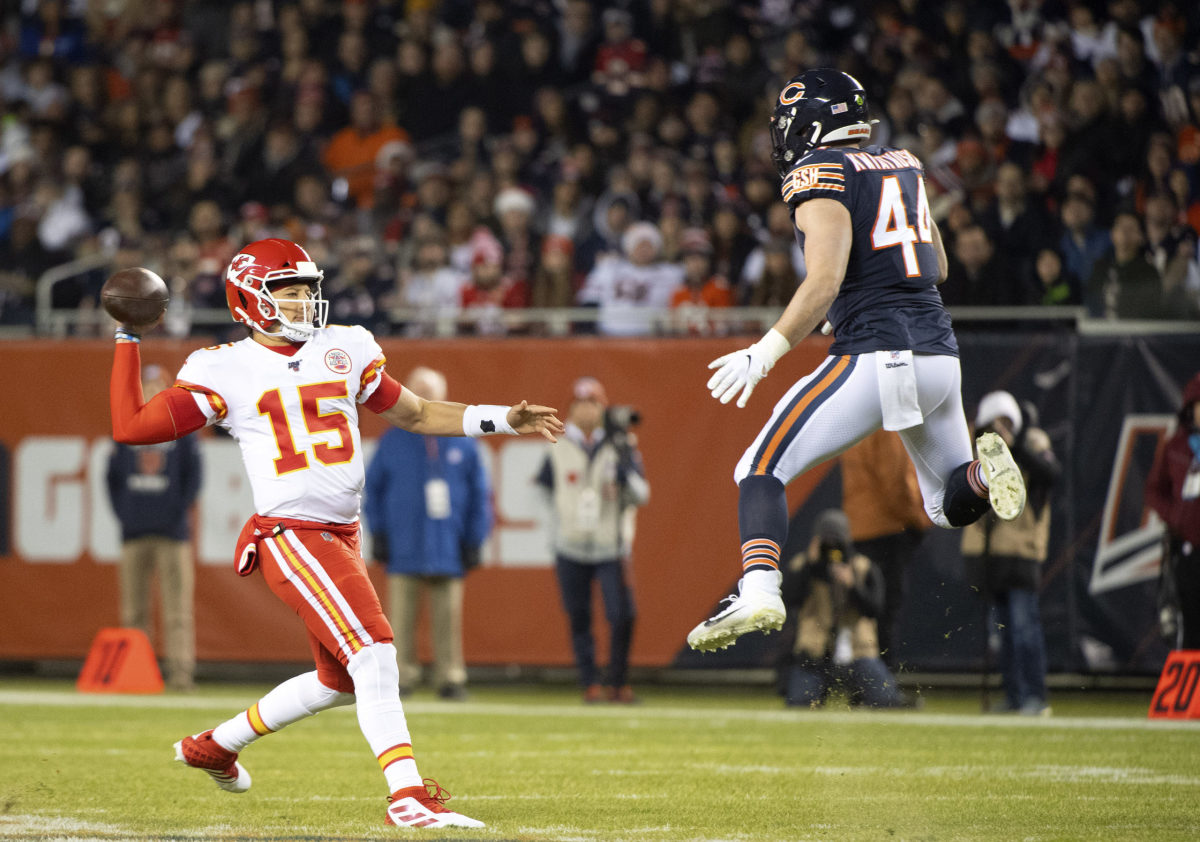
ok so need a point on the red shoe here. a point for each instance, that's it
(622, 695)
(592, 694)
(425, 806)
(202, 752)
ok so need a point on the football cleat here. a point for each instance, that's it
(202, 752)
(425, 806)
(1006, 486)
(748, 611)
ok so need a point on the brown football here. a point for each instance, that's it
(136, 297)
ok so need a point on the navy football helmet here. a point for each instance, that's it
(817, 107)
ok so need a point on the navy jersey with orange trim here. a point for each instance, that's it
(889, 299)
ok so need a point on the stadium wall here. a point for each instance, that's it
(1105, 401)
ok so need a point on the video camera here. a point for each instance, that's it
(618, 420)
(830, 552)
(621, 418)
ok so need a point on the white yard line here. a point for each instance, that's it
(69, 698)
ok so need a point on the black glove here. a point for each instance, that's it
(472, 557)
(379, 547)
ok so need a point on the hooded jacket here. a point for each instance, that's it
(1175, 460)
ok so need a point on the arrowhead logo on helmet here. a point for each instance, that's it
(267, 264)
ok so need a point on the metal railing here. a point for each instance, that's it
(184, 320)
(52, 321)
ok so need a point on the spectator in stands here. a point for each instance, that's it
(779, 279)
(555, 281)
(701, 290)
(22, 261)
(358, 288)
(1015, 225)
(514, 209)
(620, 58)
(633, 290)
(1049, 283)
(352, 151)
(491, 289)
(1124, 284)
(978, 275)
(1082, 243)
(677, 90)
(1169, 247)
(732, 242)
(435, 100)
(431, 288)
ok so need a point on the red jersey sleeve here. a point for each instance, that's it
(171, 414)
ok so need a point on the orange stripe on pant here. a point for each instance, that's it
(339, 557)
(318, 590)
(785, 425)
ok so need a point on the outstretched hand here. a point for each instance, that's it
(737, 372)
(528, 418)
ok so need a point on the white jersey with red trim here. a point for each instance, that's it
(295, 417)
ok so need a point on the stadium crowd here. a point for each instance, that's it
(441, 157)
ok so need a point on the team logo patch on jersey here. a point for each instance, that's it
(337, 360)
(814, 177)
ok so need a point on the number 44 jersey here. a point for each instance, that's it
(294, 413)
(889, 299)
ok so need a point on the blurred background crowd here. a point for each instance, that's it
(455, 157)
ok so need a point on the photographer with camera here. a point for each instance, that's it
(837, 594)
(594, 482)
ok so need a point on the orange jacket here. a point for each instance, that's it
(351, 155)
(880, 494)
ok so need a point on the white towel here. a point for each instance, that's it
(898, 389)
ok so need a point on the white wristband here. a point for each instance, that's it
(773, 345)
(486, 419)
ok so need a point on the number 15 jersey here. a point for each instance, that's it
(294, 416)
(889, 299)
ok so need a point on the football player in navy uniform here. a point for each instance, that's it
(875, 259)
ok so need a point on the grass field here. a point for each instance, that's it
(687, 764)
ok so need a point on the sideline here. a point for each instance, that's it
(70, 698)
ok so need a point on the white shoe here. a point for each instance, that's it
(753, 610)
(415, 806)
(1006, 486)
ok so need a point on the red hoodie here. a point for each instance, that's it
(1175, 459)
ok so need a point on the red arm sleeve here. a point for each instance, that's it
(171, 414)
(385, 395)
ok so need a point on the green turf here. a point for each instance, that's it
(687, 764)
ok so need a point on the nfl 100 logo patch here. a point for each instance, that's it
(337, 360)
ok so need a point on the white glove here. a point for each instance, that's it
(742, 370)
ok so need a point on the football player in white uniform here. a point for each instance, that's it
(290, 395)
